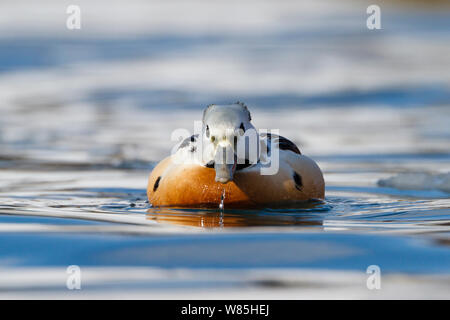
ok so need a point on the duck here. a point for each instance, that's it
(231, 164)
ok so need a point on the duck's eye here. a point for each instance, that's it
(242, 127)
(207, 131)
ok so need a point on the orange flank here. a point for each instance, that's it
(191, 185)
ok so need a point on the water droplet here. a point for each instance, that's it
(222, 198)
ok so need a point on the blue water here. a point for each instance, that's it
(288, 250)
(85, 117)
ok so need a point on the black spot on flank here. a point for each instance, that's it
(156, 185)
(210, 164)
(298, 181)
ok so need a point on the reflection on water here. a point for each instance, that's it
(306, 215)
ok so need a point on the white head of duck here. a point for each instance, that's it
(223, 128)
